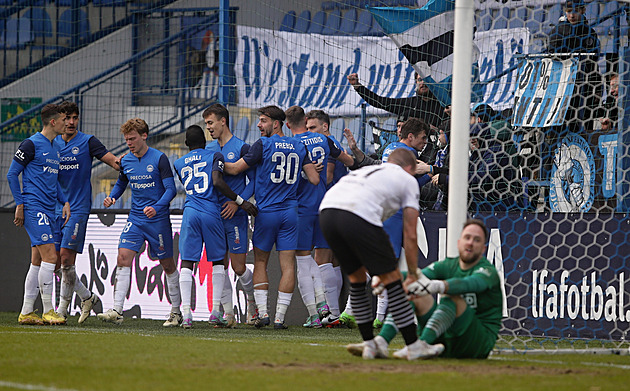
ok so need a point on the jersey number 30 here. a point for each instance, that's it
(188, 173)
(287, 168)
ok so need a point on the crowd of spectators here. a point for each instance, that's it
(503, 158)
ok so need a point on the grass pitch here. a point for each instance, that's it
(141, 354)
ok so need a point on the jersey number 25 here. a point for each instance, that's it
(188, 174)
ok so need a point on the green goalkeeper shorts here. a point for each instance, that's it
(468, 337)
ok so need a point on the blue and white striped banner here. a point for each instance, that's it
(544, 90)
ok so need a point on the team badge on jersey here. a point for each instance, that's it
(44, 237)
(75, 150)
(149, 168)
(230, 155)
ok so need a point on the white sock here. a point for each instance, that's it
(246, 282)
(218, 280)
(260, 295)
(318, 283)
(381, 306)
(330, 282)
(121, 286)
(305, 282)
(68, 282)
(185, 286)
(284, 300)
(81, 290)
(226, 295)
(31, 289)
(339, 278)
(173, 291)
(45, 278)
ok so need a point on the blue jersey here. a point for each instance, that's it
(422, 179)
(395, 145)
(151, 180)
(195, 171)
(340, 168)
(309, 195)
(75, 169)
(39, 158)
(279, 161)
(232, 151)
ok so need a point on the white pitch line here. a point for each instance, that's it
(609, 365)
(36, 387)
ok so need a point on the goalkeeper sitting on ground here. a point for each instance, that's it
(467, 318)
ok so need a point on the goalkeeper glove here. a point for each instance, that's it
(424, 286)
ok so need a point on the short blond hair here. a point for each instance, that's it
(137, 124)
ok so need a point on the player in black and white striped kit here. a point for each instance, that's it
(362, 200)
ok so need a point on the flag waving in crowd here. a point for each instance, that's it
(425, 36)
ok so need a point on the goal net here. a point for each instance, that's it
(549, 166)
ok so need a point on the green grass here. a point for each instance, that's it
(140, 354)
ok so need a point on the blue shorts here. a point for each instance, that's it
(279, 227)
(73, 233)
(41, 227)
(394, 228)
(309, 233)
(157, 232)
(236, 233)
(199, 228)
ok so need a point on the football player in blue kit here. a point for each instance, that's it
(77, 150)
(217, 119)
(318, 121)
(37, 159)
(322, 151)
(413, 137)
(147, 171)
(279, 160)
(201, 172)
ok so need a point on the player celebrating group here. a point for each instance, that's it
(149, 174)
(217, 119)
(279, 160)
(37, 159)
(201, 172)
(77, 150)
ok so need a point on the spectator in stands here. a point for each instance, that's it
(424, 105)
(608, 114)
(433, 195)
(500, 128)
(491, 174)
(574, 35)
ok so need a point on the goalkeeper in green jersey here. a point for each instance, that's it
(467, 318)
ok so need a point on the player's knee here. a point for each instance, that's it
(238, 269)
(168, 265)
(459, 302)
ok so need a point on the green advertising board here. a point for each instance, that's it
(9, 108)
